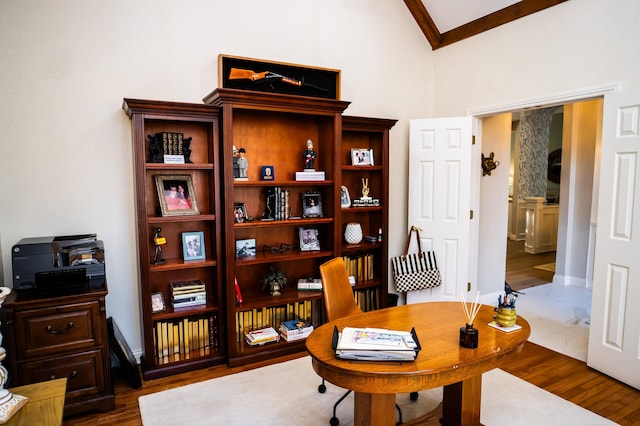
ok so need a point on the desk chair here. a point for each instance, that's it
(339, 303)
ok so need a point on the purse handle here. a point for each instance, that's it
(417, 231)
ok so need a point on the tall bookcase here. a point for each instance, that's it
(177, 340)
(368, 260)
(274, 129)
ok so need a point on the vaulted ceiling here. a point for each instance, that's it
(444, 22)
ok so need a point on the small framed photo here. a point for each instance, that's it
(267, 173)
(176, 195)
(246, 249)
(157, 302)
(309, 239)
(239, 212)
(362, 157)
(193, 245)
(345, 200)
(312, 204)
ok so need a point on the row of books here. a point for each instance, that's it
(367, 299)
(360, 266)
(278, 203)
(185, 337)
(259, 318)
(188, 293)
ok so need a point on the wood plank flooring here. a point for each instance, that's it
(520, 271)
(563, 376)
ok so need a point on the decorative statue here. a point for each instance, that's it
(236, 167)
(9, 403)
(186, 150)
(365, 188)
(309, 155)
(243, 163)
(156, 151)
(158, 240)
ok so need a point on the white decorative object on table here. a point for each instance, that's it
(353, 233)
(9, 403)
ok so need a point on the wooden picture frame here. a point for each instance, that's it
(308, 239)
(176, 195)
(193, 246)
(311, 204)
(361, 157)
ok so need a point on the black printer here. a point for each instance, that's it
(51, 266)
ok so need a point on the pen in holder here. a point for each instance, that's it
(469, 334)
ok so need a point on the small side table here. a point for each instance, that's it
(45, 404)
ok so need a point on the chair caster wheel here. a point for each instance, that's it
(413, 396)
(322, 388)
(334, 421)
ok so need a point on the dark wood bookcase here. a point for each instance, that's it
(190, 337)
(372, 134)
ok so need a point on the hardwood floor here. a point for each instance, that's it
(563, 376)
(520, 271)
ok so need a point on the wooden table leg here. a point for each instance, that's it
(374, 409)
(461, 402)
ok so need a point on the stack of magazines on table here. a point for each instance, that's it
(262, 336)
(295, 329)
(376, 344)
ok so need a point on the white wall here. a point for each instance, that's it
(65, 160)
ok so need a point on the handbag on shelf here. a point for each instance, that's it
(416, 271)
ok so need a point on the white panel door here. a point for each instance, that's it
(440, 199)
(614, 336)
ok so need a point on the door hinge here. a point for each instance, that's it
(468, 286)
(470, 214)
(473, 140)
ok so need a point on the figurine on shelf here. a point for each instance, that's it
(186, 150)
(243, 164)
(159, 241)
(309, 156)
(236, 166)
(156, 152)
(365, 189)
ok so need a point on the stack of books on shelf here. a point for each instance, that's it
(295, 329)
(262, 336)
(188, 293)
(310, 284)
(258, 318)
(376, 344)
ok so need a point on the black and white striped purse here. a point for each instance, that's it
(416, 271)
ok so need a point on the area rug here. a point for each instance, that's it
(550, 267)
(287, 394)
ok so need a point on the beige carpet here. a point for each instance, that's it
(550, 267)
(286, 394)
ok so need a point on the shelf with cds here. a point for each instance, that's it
(177, 198)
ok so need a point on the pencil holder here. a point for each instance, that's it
(506, 316)
(469, 337)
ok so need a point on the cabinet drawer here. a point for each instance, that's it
(83, 372)
(53, 330)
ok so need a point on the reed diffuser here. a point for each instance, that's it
(469, 334)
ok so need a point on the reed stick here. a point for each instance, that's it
(470, 311)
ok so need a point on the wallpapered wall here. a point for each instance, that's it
(534, 147)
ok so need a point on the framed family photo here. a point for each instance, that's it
(362, 157)
(309, 239)
(193, 246)
(311, 204)
(239, 212)
(176, 195)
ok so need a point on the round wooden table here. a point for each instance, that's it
(441, 362)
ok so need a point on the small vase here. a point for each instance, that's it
(353, 233)
(506, 317)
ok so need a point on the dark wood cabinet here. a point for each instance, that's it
(177, 340)
(66, 336)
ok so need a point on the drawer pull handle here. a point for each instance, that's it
(52, 331)
(74, 373)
